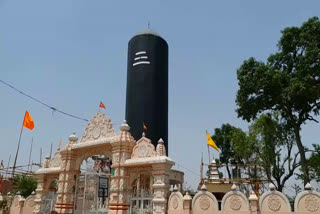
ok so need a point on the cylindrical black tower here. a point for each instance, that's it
(147, 87)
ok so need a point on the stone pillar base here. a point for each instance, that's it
(118, 208)
(64, 208)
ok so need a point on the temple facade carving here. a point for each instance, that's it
(138, 168)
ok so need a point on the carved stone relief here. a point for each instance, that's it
(175, 202)
(204, 202)
(99, 127)
(235, 202)
(274, 203)
(312, 203)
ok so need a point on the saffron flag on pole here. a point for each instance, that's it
(144, 127)
(27, 121)
(2, 164)
(60, 144)
(211, 143)
(102, 105)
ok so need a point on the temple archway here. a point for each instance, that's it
(110, 170)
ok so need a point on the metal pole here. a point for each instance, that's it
(30, 154)
(15, 159)
(85, 188)
(50, 150)
(8, 166)
(40, 155)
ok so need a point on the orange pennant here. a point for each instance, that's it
(102, 105)
(144, 127)
(28, 122)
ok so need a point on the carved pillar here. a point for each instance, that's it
(160, 187)
(121, 151)
(66, 183)
(253, 199)
(187, 202)
(39, 194)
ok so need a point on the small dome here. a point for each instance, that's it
(234, 187)
(148, 31)
(308, 186)
(271, 186)
(124, 126)
(204, 187)
(73, 137)
(187, 197)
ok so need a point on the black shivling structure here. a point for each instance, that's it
(147, 87)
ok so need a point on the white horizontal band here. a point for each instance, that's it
(141, 57)
(141, 52)
(142, 62)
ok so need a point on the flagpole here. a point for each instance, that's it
(8, 166)
(201, 169)
(30, 154)
(15, 159)
(50, 150)
(40, 155)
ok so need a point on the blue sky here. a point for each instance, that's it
(72, 54)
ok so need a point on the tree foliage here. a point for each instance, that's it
(273, 145)
(223, 137)
(314, 163)
(288, 83)
(25, 185)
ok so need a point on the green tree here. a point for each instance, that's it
(314, 163)
(288, 83)
(25, 185)
(274, 148)
(223, 139)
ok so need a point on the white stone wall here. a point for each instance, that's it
(235, 202)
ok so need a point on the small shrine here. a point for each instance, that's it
(128, 176)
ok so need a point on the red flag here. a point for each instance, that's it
(144, 127)
(102, 105)
(2, 164)
(27, 121)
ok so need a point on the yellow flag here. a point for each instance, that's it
(211, 143)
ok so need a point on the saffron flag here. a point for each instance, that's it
(60, 144)
(211, 143)
(2, 164)
(28, 122)
(102, 105)
(144, 127)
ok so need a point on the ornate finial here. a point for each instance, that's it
(161, 149)
(234, 187)
(175, 188)
(124, 126)
(272, 187)
(143, 134)
(204, 187)
(73, 137)
(253, 196)
(33, 193)
(308, 186)
(187, 197)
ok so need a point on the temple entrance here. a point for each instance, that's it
(49, 200)
(92, 186)
(141, 197)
